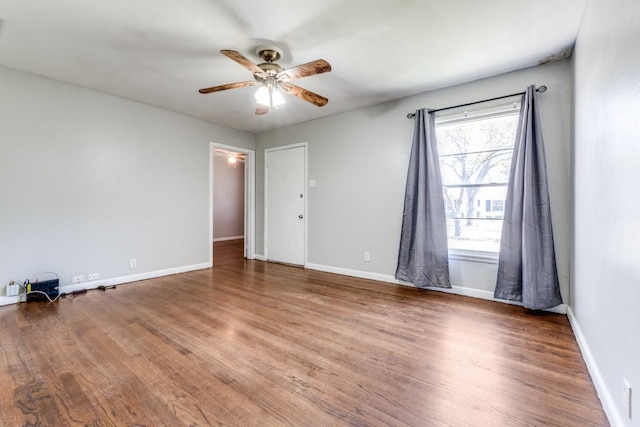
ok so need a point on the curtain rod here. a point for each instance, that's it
(541, 89)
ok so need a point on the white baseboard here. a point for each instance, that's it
(224, 239)
(9, 300)
(608, 404)
(259, 257)
(457, 290)
(132, 278)
(65, 289)
(93, 284)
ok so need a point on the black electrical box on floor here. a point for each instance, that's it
(49, 287)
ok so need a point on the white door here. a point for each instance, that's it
(285, 205)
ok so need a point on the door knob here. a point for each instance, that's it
(300, 216)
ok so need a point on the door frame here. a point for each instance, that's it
(304, 145)
(249, 197)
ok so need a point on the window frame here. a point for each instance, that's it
(496, 109)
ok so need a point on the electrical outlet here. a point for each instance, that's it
(77, 279)
(628, 397)
(133, 263)
(367, 256)
(94, 276)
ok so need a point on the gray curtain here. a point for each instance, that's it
(423, 258)
(527, 263)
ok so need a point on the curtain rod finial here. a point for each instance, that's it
(411, 115)
(541, 89)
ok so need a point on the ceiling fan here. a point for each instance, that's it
(274, 79)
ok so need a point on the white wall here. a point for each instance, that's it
(606, 278)
(228, 200)
(359, 160)
(89, 180)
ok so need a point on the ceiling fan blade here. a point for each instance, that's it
(261, 109)
(309, 69)
(240, 59)
(304, 94)
(227, 86)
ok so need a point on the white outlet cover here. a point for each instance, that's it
(13, 290)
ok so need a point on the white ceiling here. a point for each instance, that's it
(160, 52)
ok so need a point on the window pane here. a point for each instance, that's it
(476, 151)
(477, 135)
(474, 235)
(475, 168)
(475, 158)
(461, 202)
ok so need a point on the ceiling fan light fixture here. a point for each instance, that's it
(269, 96)
(277, 99)
(263, 97)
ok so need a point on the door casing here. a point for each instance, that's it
(249, 197)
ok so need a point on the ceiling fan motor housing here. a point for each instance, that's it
(270, 69)
(269, 53)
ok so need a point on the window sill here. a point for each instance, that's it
(473, 256)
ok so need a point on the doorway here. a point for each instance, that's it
(231, 203)
(285, 204)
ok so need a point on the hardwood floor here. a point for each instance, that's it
(252, 343)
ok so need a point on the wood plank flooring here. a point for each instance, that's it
(249, 343)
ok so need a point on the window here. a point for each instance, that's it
(497, 206)
(475, 158)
